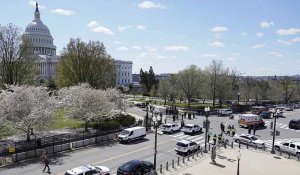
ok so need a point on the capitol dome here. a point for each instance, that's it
(39, 35)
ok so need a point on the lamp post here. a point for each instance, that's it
(238, 102)
(238, 166)
(147, 115)
(206, 109)
(275, 116)
(155, 119)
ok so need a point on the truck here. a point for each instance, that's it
(130, 134)
(248, 120)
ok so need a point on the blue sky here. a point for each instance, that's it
(254, 37)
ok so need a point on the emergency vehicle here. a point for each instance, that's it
(246, 120)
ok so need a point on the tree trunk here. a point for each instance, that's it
(86, 126)
(28, 135)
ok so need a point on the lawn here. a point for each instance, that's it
(60, 121)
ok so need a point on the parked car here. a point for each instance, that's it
(136, 167)
(288, 146)
(131, 134)
(265, 114)
(191, 128)
(248, 139)
(289, 108)
(225, 112)
(294, 124)
(170, 128)
(89, 170)
(186, 146)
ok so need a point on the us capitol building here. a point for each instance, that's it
(45, 51)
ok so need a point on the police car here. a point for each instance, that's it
(186, 146)
(248, 139)
(89, 170)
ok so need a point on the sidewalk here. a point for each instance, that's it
(251, 162)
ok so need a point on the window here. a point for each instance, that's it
(298, 147)
(285, 144)
(292, 145)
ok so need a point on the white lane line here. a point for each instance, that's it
(195, 140)
(177, 135)
(184, 136)
(283, 126)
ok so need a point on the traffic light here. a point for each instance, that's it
(271, 125)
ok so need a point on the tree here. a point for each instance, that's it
(288, 87)
(27, 107)
(148, 80)
(16, 60)
(87, 104)
(86, 63)
(188, 81)
(164, 90)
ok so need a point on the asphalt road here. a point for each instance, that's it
(116, 154)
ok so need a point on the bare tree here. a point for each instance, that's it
(289, 87)
(16, 60)
(164, 90)
(27, 107)
(87, 104)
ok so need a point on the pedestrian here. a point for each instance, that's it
(182, 124)
(220, 138)
(249, 129)
(229, 130)
(46, 163)
(222, 127)
(232, 131)
(208, 138)
(174, 118)
(165, 120)
(254, 129)
(215, 139)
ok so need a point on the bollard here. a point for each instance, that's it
(160, 169)
(188, 157)
(255, 146)
(167, 166)
(289, 155)
(239, 144)
(172, 163)
(225, 143)
(298, 157)
(247, 145)
(232, 144)
(201, 151)
(198, 153)
(264, 147)
(193, 156)
(183, 159)
(280, 152)
(178, 161)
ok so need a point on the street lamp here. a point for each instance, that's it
(275, 116)
(155, 119)
(206, 109)
(147, 115)
(238, 102)
(238, 158)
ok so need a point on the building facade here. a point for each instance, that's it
(123, 72)
(42, 46)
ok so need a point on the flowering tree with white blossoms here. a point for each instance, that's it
(85, 103)
(27, 107)
(117, 98)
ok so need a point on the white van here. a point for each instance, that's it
(130, 134)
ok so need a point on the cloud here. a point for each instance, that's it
(259, 34)
(117, 42)
(122, 48)
(290, 31)
(266, 25)
(244, 34)
(296, 39)
(141, 27)
(32, 3)
(257, 46)
(211, 56)
(63, 12)
(218, 29)
(136, 47)
(217, 44)
(276, 54)
(218, 35)
(150, 5)
(122, 28)
(176, 48)
(284, 42)
(95, 27)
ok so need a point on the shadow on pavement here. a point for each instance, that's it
(218, 165)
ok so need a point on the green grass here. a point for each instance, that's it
(60, 121)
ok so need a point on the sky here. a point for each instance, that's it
(253, 37)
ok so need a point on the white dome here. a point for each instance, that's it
(37, 28)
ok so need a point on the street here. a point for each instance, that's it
(116, 154)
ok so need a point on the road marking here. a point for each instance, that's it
(122, 155)
(181, 137)
(283, 126)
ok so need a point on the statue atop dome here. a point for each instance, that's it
(36, 7)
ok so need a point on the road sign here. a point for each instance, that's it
(11, 149)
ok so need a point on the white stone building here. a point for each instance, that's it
(43, 48)
(123, 72)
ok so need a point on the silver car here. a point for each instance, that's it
(248, 139)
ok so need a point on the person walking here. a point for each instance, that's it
(46, 163)
(222, 127)
(249, 129)
(174, 118)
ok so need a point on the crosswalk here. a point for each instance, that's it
(281, 125)
(199, 139)
(269, 143)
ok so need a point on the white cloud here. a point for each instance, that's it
(290, 31)
(266, 24)
(122, 48)
(122, 28)
(211, 56)
(259, 34)
(284, 42)
(276, 54)
(176, 48)
(63, 12)
(218, 29)
(218, 35)
(33, 3)
(117, 42)
(244, 34)
(150, 4)
(296, 39)
(217, 44)
(95, 27)
(141, 27)
(257, 46)
(136, 47)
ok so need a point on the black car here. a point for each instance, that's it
(265, 114)
(294, 124)
(134, 167)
